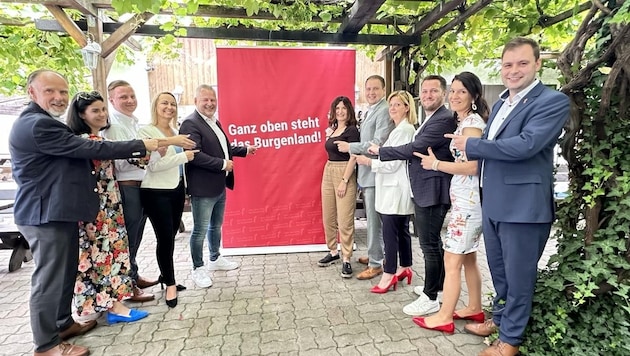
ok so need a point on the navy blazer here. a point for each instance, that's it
(429, 187)
(52, 168)
(205, 176)
(517, 175)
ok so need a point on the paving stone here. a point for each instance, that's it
(280, 304)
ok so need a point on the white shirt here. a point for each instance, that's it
(124, 128)
(212, 122)
(507, 107)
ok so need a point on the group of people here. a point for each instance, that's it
(455, 160)
(84, 218)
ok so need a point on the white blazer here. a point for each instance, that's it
(162, 172)
(393, 190)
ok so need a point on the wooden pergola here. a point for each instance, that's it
(361, 13)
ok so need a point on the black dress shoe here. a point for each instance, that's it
(171, 303)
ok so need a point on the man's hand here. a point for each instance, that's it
(182, 141)
(459, 141)
(150, 144)
(251, 150)
(162, 151)
(229, 166)
(342, 146)
(363, 160)
(373, 150)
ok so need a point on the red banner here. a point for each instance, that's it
(278, 99)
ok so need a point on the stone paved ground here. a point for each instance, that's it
(280, 304)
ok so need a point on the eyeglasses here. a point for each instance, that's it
(93, 95)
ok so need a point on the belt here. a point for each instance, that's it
(133, 183)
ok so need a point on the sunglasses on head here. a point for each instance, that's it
(93, 95)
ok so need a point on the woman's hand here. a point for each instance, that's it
(427, 160)
(341, 189)
(190, 155)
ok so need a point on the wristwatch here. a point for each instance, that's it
(345, 180)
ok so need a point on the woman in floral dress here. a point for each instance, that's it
(464, 227)
(102, 280)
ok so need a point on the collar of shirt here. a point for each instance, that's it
(122, 118)
(505, 95)
(209, 120)
(371, 107)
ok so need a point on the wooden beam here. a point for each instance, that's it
(84, 6)
(434, 16)
(254, 34)
(68, 24)
(433, 35)
(14, 22)
(360, 14)
(122, 33)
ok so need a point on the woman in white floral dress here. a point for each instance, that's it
(102, 280)
(464, 227)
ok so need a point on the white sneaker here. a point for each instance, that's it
(422, 306)
(221, 264)
(201, 278)
(419, 290)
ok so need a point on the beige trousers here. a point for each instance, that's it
(338, 213)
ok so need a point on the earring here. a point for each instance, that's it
(473, 107)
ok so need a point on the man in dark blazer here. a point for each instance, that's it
(207, 176)
(516, 165)
(56, 189)
(430, 189)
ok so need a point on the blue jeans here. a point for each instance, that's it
(207, 220)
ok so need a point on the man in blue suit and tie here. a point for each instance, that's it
(56, 189)
(516, 165)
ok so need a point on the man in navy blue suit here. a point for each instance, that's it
(56, 190)
(516, 165)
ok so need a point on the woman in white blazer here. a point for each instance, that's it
(162, 190)
(393, 194)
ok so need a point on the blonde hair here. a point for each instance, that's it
(154, 115)
(407, 99)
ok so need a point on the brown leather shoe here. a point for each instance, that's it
(145, 283)
(77, 329)
(140, 296)
(369, 273)
(500, 349)
(363, 260)
(65, 349)
(484, 329)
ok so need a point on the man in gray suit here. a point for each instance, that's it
(375, 129)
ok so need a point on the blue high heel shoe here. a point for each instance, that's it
(134, 315)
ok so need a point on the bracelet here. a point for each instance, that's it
(435, 164)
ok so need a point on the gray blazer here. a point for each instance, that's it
(374, 129)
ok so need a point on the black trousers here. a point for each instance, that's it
(164, 209)
(397, 241)
(428, 222)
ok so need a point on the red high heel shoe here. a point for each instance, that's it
(447, 328)
(378, 290)
(405, 274)
(478, 318)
